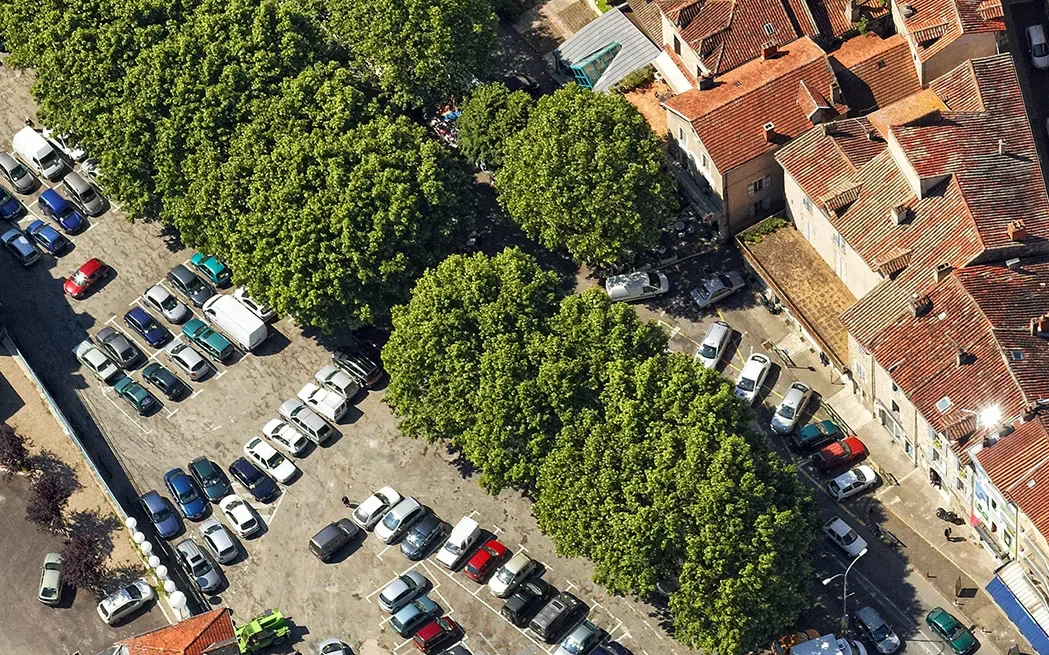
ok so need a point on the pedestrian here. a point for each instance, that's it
(345, 501)
(28, 121)
(947, 534)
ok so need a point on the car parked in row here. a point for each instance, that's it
(10, 208)
(332, 405)
(332, 538)
(117, 347)
(269, 460)
(337, 380)
(953, 631)
(582, 640)
(198, 566)
(285, 436)
(362, 365)
(95, 360)
(189, 284)
(636, 285)
(437, 635)
(489, 556)
(424, 536)
(752, 377)
(816, 435)
(20, 247)
(185, 493)
(56, 208)
(790, 409)
(526, 602)
(557, 616)
(162, 300)
(210, 479)
(125, 601)
(17, 175)
(852, 482)
(402, 591)
(398, 520)
(717, 288)
(47, 238)
(877, 630)
(147, 327)
(407, 620)
(261, 486)
(712, 348)
(464, 536)
(844, 537)
(211, 268)
(140, 399)
(214, 345)
(164, 380)
(50, 590)
(305, 420)
(85, 278)
(219, 541)
(240, 515)
(510, 575)
(368, 513)
(839, 454)
(83, 195)
(263, 312)
(159, 514)
(187, 359)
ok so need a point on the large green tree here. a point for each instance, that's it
(586, 175)
(490, 116)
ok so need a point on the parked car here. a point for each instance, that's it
(839, 454)
(140, 399)
(50, 591)
(272, 462)
(791, 408)
(240, 515)
(437, 634)
(10, 208)
(125, 601)
(844, 537)
(83, 195)
(147, 327)
(337, 380)
(511, 574)
(162, 300)
(557, 616)
(66, 143)
(423, 536)
(333, 647)
(521, 82)
(368, 513)
(332, 538)
(264, 312)
(712, 348)
(717, 288)
(96, 361)
(615, 648)
(214, 345)
(198, 566)
(18, 175)
(219, 541)
(1038, 46)
(286, 436)
(164, 380)
(582, 640)
(362, 365)
(261, 486)
(488, 557)
(852, 482)
(305, 420)
(752, 377)
(815, 435)
(524, 603)
(877, 630)
(47, 238)
(87, 276)
(407, 620)
(185, 493)
(19, 246)
(637, 285)
(396, 522)
(332, 405)
(211, 268)
(159, 514)
(59, 210)
(459, 543)
(117, 347)
(187, 283)
(402, 591)
(187, 359)
(951, 630)
(210, 479)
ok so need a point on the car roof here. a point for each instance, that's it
(153, 500)
(794, 395)
(716, 333)
(870, 617)
(90, 266)
(139, 314)
(52, 198)
(755, 363)
(517, 562)
(405, 507)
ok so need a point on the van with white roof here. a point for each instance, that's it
(37, 153)
(235, 321)
(463, 537)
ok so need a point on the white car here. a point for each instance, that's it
(218, 540)
(396, 522)
(511, 574)
(96, 361)
(844, 537)
(852, 482)
(790, 409)
(263, 312)
(284, 435)
(717, 288)
(123, 602)
(712, 348)
(334, 378)
(371, 510)
(330, 404)
(66, 144)
(267, 457)
(752, 377)
(160, 299)
(240, 515)
(187, 359)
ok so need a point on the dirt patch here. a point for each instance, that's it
(648, 100)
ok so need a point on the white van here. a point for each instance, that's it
(235, 321)
(1037, 45)
(463, 537)
(37, 153)
(636, 285)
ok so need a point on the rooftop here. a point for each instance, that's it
(634, 48)
(1018, 464)
(193, 636)
(874, 72)
(935, 24)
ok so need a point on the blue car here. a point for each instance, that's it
(47, 238)
(261, 486)
(185, 493)
(141, 322)
(10, 208)
(156, 508)
(57, 209)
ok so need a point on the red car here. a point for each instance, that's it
(437, 634)
(484, 560)
(86, 276)
(840, 454)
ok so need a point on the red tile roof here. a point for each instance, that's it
(189, 637)
(728, 118)
(874, 72)
(935, 24)
(1018, 465)
(832, 22)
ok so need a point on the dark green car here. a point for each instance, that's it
(165, 380)
(136, 395)
(211, 342)
(211, 268)
(957, 636)
(815, 435)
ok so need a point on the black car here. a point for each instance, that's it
(165, 380)
(360, 363)
(210, 479)
(423, 536)
(261, 486)
(557, 617)
(521, 82)
(525, 602)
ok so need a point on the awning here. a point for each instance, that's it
(1006, 596)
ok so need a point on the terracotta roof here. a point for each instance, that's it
(1018, 465)
(729, 117)
(914, 107)
(646, 15)
(690, 76)
(189, 637)
(832, 21)
(874, 72)
(935, 24)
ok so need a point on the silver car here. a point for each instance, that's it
(18, 175)
(50, 592)
(117, 346)
(187, 359)
(717, 288)
(285, 436)
(198, 566)
(305, 420)
(189, 284)
(402, 591)
(219, 541)
(166, 303)
(334, 378)
(790, 410)
(123, 602)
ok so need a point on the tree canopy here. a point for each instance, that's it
(586, 175)
(490, 116)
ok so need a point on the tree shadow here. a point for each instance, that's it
(94, 522)
(46, 463)
(172, 238)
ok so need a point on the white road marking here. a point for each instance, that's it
(383, 552)
(126, 415)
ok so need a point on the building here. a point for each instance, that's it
(210, 633)
(605, 51)
(874, 72)
(942, 34)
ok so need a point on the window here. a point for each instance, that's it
(895, 389)
(703, 159)
(769, 29)
(895, 407)
(681, 134)
(759, 184)
(807, 203)
(943, 404)
(861, 373)
(840, 242)
(677, 45)
(935, 455)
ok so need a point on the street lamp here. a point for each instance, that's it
(845, 590)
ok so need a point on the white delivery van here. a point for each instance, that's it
(235, 321)
(37, 153)
(464, 535)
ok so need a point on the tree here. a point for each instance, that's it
(490, 116)
(586, 175)
(420, 51)
(48, 503)
(84, 561)
(14, 455)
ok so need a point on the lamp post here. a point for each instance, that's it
(845, 590)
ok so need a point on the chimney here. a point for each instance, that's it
(898, 214)
(852, 12)
(920, 305)
(872, 135)
(835, 93)
(962, 358)
(769, 130)
(1017, 230)
(706, 82)
(1040, 326)
(942, 271)
(1012, 264)
(1001, 146)
(768, 51)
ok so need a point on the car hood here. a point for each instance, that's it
(70, 221)
(10, 208)
(196, 507)
(780, 424)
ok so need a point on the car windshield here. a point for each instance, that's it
(194, 284)
(726, 280)
(187, 496)
(79, 278)
(786, 411)
(169, 303)
(133, 592)
(860, 478)
(572, 646)
(453, 548)
(4, 196)
(162, 515)
(708, 351)
(275, 461)
(833, 487)
(881, 633)
(1040, 50)
(505, 576)
(391, 521)
(48, 160)
(66, 212)
(849, 537)
(18, 172)
(703, 292)
(746, 384)
(201, 567)
(957, 631)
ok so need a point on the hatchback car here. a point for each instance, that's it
(187, 359)
(437, 634)
(159, 514)
(10, 208)
(96, 361)
(85, 278)
(752, 377)
(285, 436)
(877, 630)
(557, 616)
(263, 312)
(337, 380)
(125, 601)
(712, 348)
(844, 537)
(18, 175)
(272, 462)
(951, 630)
(815, 435)
(189, 284)
(56, 208)
(218, 541)
(83, 195)
(147, 327)
(332, 538)
(523, 604)
(368, 513)
(852, 482)
(214, 345)
(164, 380)
(47, 238)
(240, 515)
(66, 143)
(198, 566)
(117, 347)
(19, 246)
(362, 365)
(332, 405)
(333, 647)
(790, 409)
(1038, 46)
(170, 307)
(839, 454)
(306, 420)
(511, 574)
(140, 399)
(424, 536)
(407, 620)
(185, 493)
(717, 288)
(50, 591)
(401, 591)
(521, 82)
(261, 486)
(396, 522)
(211, 268)
(210, 479)
(487, 557)
(582, 640)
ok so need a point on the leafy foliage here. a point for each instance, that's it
(490, 116)
(766, 227)
(84, 561)
(14, 454)
(47, 504)
(586, 175)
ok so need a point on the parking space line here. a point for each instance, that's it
(383, 552)
(121, 410)
(172, 412)
(219, 374)
(498, 530)
(196, 393)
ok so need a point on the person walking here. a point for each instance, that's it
(947, 534)
(345, 501)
